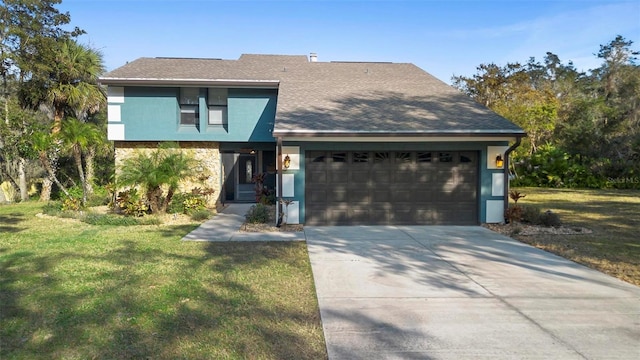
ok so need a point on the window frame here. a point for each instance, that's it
(189, 104)
(218, 100)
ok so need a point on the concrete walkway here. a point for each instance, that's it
(225, 226)
(447, 292)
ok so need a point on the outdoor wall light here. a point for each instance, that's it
(286, 162)
(499, 161)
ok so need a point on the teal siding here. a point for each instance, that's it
(150, 113)
(153, 113)
(251, 115)
(484, 174)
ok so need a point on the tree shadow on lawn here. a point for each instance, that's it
(120, 305)
(9, 222)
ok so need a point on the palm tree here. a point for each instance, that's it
(75, 82)
(77, 137)
(164, 167)
(69, 85)
(99, 147)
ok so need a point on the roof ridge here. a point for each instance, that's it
(183, 58)
(360, 62)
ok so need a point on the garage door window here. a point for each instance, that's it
(445, 157)
(381, 157)
(360, 157)
(423, 157)
(403, 157)
(339, 157)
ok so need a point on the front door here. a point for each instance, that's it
(247, 168)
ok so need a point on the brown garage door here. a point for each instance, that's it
(391, 187)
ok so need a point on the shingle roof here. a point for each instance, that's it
(316, 98)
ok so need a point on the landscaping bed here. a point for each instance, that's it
(269, 223)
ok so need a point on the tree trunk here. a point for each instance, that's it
(89, 160)
(45, 195)
(153, 196)
(77, 155)
(167, 199)
(22, 179)
(47, 184)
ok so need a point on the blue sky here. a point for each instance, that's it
(442, 37)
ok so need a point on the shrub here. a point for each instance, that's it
(52, 208)
(257, 214)
(530, 214)
(100, 197)
(513, 213)
(187, 203)
(131, 203)
(200, 215)
(268, 197)
(549, 218)
(194, 204)
(73, 201)
(72, 204)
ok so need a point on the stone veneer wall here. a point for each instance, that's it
(207, 153)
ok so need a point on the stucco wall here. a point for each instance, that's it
(206, 153)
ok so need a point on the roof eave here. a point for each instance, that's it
(238, 83)
(434, 133)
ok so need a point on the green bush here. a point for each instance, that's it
(194, 204)
(52, 208)
(72, 202)
(201, 215)
(550, 166)
(531, 214)
(186, 203)
(100, 197)
(550, 219)
(257, 214)
(268, 198)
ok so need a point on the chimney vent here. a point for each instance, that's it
(313, 57)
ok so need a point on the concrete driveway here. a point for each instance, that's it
(456, 292)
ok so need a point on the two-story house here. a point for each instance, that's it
(358, 142)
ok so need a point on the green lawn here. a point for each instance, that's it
(612, 215)
(69, 290)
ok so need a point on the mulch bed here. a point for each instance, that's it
(516, 228)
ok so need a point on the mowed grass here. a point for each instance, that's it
(612, 215)
(69, 290)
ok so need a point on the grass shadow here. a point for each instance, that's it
(10, 222)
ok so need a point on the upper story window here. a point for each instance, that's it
(189, 112)
(217, 104)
